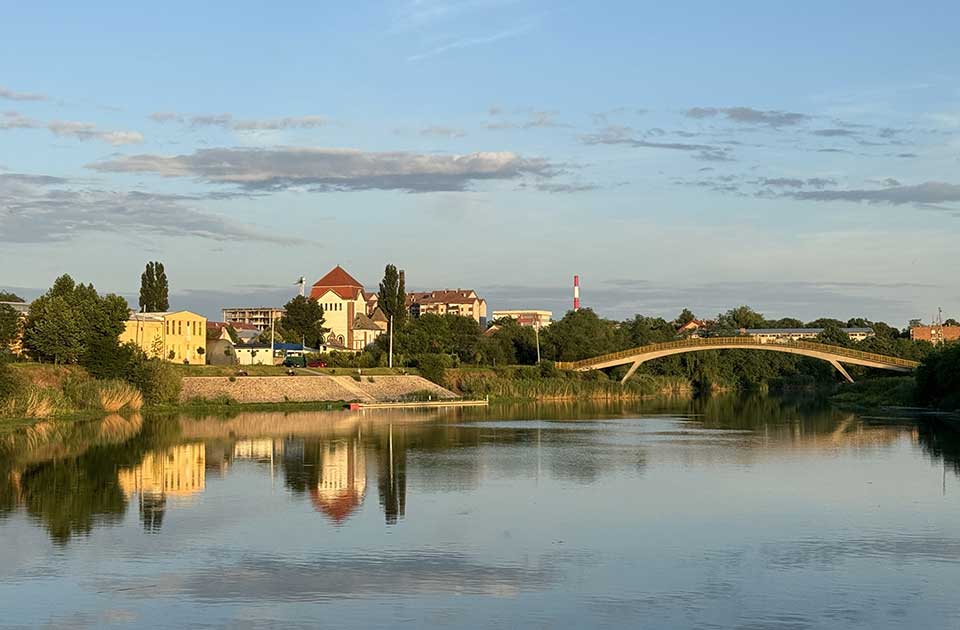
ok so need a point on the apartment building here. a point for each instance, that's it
(462, 302)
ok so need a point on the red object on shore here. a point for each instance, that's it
(353, 406)
(576, 293)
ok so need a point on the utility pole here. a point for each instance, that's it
(271, 341)
(390, 356)
(537, 329)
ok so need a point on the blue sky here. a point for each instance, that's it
(802, 159)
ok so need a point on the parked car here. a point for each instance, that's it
(317, 364)
(295, 362)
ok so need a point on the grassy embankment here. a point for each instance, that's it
(550, 384)
(888, 391)
(34, 391)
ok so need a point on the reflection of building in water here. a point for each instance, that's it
(342, 479)
(263, 450)
(176, 471)
(331, 470)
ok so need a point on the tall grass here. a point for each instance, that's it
(527, 384)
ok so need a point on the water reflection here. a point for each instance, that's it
(73, 477)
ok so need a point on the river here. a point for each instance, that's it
(730, 512)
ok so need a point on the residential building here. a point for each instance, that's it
(527, 317)
(693, 328)
(463, 302)
(22, 309)
(258, 316)
(344, 304)
(779, 335)
(177, 336)
(935, 334)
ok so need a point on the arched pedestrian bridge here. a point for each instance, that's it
(835, 355)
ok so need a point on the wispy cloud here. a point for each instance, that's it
(82, 131)
(10, 95)
(227, 121)
(43, 209)
(924, 194)
(442, 132)
(750, 116)
(618, 135)
(334, 169)
(470, 42)
(536, 119)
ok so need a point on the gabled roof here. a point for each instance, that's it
(362, 322)
(338, 281)
(378, 315)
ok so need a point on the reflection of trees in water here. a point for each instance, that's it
(74, 494)
(941, 441)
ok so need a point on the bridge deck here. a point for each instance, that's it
(809, 348)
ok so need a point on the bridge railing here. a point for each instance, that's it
(707, 342)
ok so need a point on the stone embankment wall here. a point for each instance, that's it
(266, 389)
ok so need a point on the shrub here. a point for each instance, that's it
(115, 395)
(9, 380)
(433, 367)
(548, 369)
(158, 381)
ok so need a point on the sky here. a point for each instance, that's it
(802, 158)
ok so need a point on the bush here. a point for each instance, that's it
(158, 381)
(548, 369)
(9, 380)
(433, 367)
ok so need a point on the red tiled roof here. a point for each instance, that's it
(336, 508)
(338, 281)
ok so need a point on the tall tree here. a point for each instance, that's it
(391, 298)
(7, 296)
(70, 319)
(154, 291)
(303, 320)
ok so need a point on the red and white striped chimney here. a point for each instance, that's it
(576, 293)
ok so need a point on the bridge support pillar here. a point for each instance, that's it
(841, 369)
(633, 368)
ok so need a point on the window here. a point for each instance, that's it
(179, 327)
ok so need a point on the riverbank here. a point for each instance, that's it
(550, 384)
(286, 389)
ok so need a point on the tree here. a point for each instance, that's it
(303, 320)
(951, 322)
(740, 317)
(7, 296)
(787, 322)
(685, 317)
(67, 322)
(579, 335)
(9, 326)
(392, 297)
(153, 289)
(833, 335)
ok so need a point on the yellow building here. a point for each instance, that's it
(177, 471)
(178, 336)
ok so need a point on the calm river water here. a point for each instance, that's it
(725, 513)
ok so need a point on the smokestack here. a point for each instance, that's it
(576, 293)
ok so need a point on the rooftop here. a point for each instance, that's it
(338, 281)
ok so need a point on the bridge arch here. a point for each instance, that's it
(835, 355)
